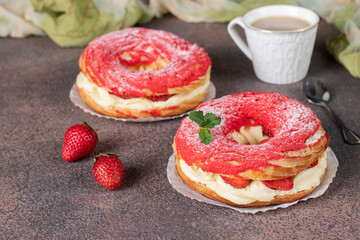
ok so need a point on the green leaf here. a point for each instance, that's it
(197, 116)
(203, 125)
(211, 120)
(205, 135)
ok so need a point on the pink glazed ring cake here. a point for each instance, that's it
(140, 72)
(268, 149)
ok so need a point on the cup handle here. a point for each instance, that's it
(236, 38)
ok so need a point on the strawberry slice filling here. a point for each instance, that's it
(281, 184)
(314, 163)
(236, 182)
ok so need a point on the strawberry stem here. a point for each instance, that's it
(104, 155)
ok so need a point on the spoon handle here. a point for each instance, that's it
(349, 136)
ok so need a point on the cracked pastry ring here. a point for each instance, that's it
(139, 72)
(268, 149)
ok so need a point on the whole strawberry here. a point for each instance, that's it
(79, 141)
(108, 170)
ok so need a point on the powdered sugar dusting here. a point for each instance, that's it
(105, 61)
(287, 122)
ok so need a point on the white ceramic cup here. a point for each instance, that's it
(278, 57)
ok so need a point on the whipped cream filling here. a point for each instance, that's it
(156, 65)
(256, 190)
(248, 135)
(102, 97)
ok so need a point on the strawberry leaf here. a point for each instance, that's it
(197, 116)
(205, 135)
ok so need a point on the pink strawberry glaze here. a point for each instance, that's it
(287, 121)
(187, 61)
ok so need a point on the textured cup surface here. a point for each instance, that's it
(279, 57)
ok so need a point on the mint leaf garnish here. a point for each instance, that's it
(197, 116)
(210, 120)
(205, 135)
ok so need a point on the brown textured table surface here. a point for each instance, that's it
(44, 197)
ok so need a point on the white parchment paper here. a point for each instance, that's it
(77, 101)
(182, 188)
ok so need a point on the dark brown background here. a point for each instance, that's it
(44, 197)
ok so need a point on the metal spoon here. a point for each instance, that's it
(317, 94)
